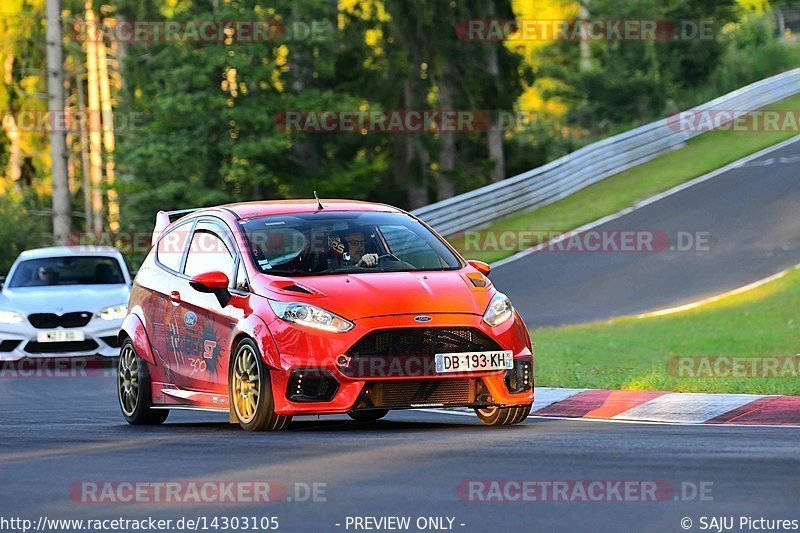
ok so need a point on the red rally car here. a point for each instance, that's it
(266, 310)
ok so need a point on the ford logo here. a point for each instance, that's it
(422, 318)
(190, 319)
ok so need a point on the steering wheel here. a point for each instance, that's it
(390, 255)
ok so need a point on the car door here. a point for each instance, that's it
(203, 322)
(154, 294)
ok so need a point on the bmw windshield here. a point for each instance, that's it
(70, 270)
(308, 244)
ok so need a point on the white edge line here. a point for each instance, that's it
(647, 201)
(621, 421)
(718, 297)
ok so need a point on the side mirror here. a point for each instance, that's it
(480, 266)
(213, 282)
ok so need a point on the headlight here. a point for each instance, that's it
(311, 316)
(10, 317)
(499, 310)
(115, 312)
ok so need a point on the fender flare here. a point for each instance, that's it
(133, 328)
(257, 330)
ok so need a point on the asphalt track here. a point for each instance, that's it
(58, 432)
(750, 216)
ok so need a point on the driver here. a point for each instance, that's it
(357, 244)
(47, 275)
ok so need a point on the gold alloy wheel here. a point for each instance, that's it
(488, 411)
(128, 380)
(246, 385)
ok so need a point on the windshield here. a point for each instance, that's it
(71, 270)
(345, 242)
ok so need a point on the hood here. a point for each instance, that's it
(62, 299)
(357, 296)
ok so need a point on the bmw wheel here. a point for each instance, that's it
(503, 416)
(251, 392)
(134, 389)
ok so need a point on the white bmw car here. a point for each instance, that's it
(63, 302)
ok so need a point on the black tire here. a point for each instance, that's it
(370, 415)
(503, 416)
(134, 389)
(254, 410)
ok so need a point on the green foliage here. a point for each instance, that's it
(19, 230)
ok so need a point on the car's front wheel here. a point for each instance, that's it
(503, 416)
(134, 389)
(251, 392)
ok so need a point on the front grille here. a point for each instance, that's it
(8, 346)
(67, 320)
(428, 392)
(61, 347)
(409, 352)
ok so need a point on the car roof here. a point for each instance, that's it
(283, 207)
(66, 251)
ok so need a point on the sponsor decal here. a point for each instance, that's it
(190, 319)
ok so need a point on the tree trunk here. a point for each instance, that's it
(95, 134)
(14, 168)
(586, 53)
(108, 135)
(62, 209)
(447, 155)
(495, 133)
(415, 161)
(87, 187)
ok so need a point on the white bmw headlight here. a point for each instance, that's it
(115, 312)
(311, 316)
(10, 317)
(499, 310)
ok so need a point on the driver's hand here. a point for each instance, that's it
(368, 260)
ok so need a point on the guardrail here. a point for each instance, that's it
(592, 163)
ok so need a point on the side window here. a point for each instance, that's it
(208, 252)
(171, 246)
(241, 278)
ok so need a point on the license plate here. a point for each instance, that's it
(474, 361)
(60, 335)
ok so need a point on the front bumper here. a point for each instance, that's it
(19, 341)
(306, 354)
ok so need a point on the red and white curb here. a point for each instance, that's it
(667, 407)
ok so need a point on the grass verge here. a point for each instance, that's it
(638, 353)
(701, 155)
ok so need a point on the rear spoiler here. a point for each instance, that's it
(165, 218)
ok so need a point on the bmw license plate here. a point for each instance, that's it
(60, 335)
(474, 361)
